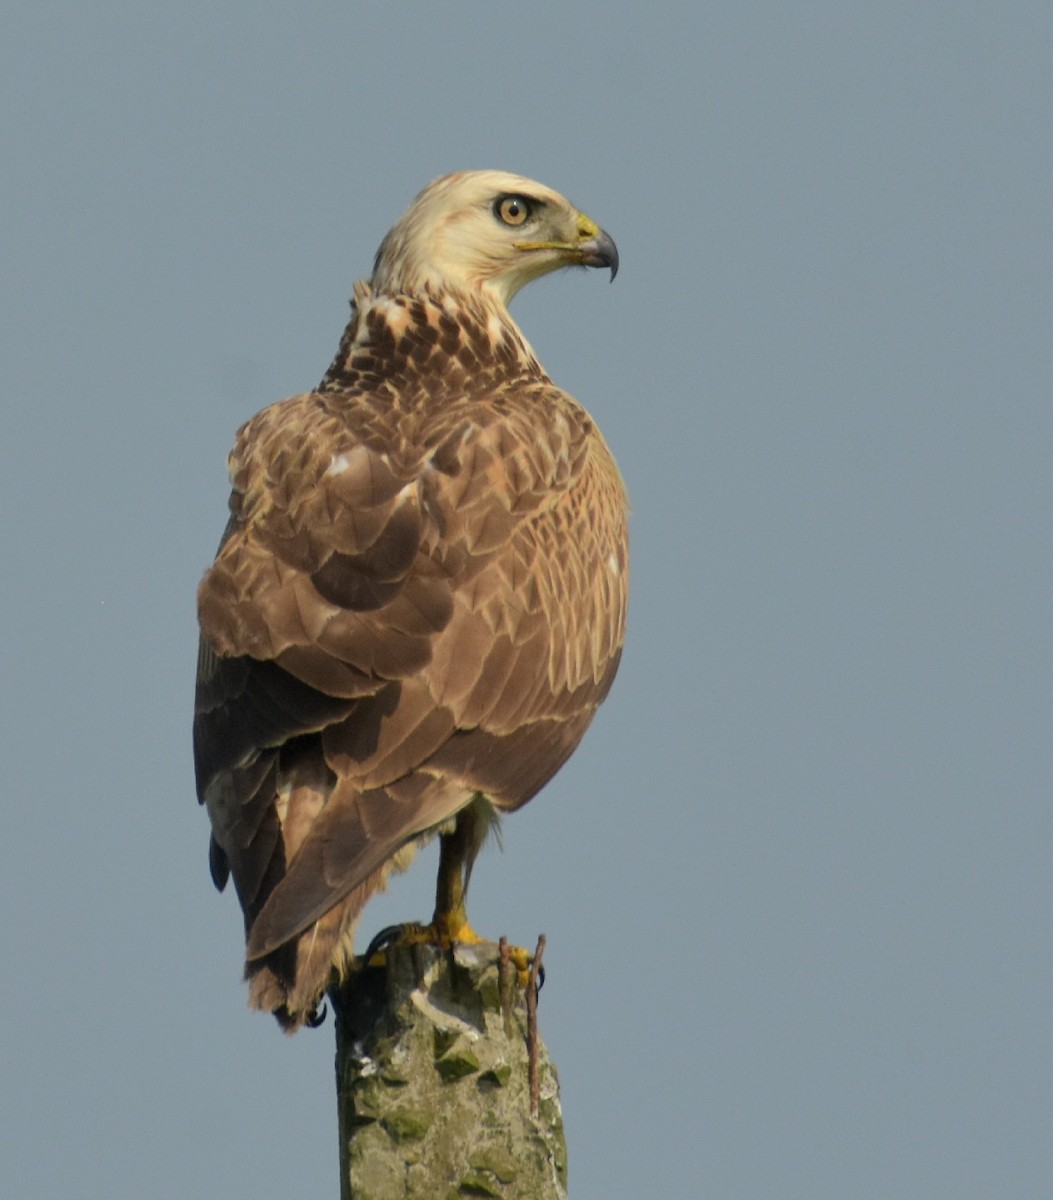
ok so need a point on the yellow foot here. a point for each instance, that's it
(521, 959)
(438, 933)
(442, 932)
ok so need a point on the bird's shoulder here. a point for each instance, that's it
(327, 459)
(355, 506)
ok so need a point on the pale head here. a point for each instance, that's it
(488, 231)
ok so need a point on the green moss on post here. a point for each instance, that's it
(433, 1087)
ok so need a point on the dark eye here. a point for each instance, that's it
(513, 210)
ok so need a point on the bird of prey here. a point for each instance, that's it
(419, 599)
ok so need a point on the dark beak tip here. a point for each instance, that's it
(604, 253)
(609, 252)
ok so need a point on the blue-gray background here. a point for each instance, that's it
(797, 881)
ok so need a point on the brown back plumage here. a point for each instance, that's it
(419, 598)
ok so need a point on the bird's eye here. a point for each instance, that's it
(512, 210)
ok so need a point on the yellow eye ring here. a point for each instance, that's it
(512, 210)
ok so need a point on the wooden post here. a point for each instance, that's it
(433, 1083)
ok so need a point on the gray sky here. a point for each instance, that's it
(797, 881)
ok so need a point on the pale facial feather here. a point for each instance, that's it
(451, 237)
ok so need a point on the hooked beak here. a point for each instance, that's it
(593, 247)
(599, 251)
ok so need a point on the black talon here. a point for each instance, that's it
(316, 1016)
(381, 941)
(540, 977)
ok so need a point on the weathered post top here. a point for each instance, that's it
(433, 1083)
